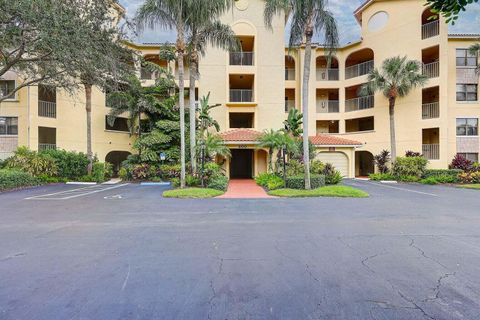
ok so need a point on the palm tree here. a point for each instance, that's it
(204, 30)
(204, 117)
(293, 123)
(307, 17)
(271, 140)
(214, 145)
(397, 77)
(171, 14)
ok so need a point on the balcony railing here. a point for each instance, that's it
(241, 58)
(359, 69)
(289, 74)
(359, 103)
(431, 151)
(146, 74)
(47, 109)
(431, 29)
(46, 146)
(328, 106)
(431, 110)
(289, 105)
(325, 74)
(431, 70)
(241, 95)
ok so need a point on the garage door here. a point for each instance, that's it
(338, 159)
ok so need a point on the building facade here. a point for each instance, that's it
(257, 86)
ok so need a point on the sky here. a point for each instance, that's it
(469, 22)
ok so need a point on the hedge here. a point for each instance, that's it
(442, 172)
(298, 182)
(13, 179)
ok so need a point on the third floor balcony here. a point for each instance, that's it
(359, 63)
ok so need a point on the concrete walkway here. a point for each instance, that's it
(246, 189)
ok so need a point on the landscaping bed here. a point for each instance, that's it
(327, 191)
(470, 186)
(193, 193)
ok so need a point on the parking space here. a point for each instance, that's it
(407, 252)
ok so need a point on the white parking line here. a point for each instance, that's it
(75, 193)
(398, 188)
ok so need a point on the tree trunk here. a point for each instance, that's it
(393, 142)
(88, 108)
(139, 131)
(181, 102)
(270, 162)
(193, 113)
(305, 91)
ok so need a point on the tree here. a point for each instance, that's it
(172, 14)
(271, 140)
(205, 29)
(475, 51)
(293, 123)
(214, 145)
(137, 100)
(205, 119)
(103, 61)
(397, 77)
(449, 8)
(307, 17)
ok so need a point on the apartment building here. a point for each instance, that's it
(258, 85)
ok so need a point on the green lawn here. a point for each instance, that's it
(470, 186)
(196, 193)
(328, 191)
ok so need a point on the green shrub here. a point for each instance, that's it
(211, 169)
(219, 182)
(44, 179)
(13, 179)
(295, 168)
(331, 175)
(429, 180)
(175, 182)
(144, 171)
(101, 172)
(71, 165)
(298, 182)
(409, 166)
(275, 184)
(408, 178)
(124, 174)
(169, 172)
(269, 181)
(32, 162)
(442, 172)
(381, 177)
(317, 167)
(469, 177)
(192, 181)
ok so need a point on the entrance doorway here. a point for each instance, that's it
(241, 165)
(364, 163)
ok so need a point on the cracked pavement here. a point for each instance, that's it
(400, 254)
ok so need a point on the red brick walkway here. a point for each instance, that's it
(246, 189)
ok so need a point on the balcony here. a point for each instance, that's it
(359, 69)
(327, 69)
(430, 110)
(430, 29)
(432, 70)
(241, 95)
(289, 74)
(431, 151)
(47, 109)
(328, 106)
(289, 105)
(241, 58)
(328, 126)
(46, 146)
(47, 101)
(360, 103)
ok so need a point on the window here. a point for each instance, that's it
(6, 87)
(465, 58)
(9, 126)
(470, 156)
(120, 124)
(467, 92)
(467, 127)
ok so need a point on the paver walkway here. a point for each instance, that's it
(245, 188)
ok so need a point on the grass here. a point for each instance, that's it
(470, 186)
(194, 193)
(328, 191)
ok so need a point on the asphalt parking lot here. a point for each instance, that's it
(123, 252)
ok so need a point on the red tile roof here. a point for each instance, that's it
(249, 135)
(329, 140)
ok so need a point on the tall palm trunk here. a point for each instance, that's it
(306, 81)
(193, 118)
(140, 130)
(181, 103)
(393, 142)
(88, 108)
